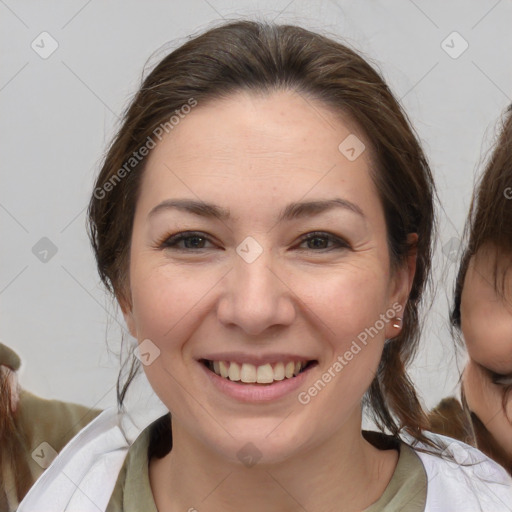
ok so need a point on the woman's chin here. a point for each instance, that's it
(256, 450)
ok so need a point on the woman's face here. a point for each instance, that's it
(247, 290)
(486, 323)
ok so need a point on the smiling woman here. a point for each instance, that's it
(265, 237)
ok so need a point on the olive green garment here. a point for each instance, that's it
(49, 421)
(406, 491)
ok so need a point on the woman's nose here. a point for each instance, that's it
(256, 296)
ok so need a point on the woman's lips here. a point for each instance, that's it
(257, 392)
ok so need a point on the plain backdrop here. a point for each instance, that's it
(68, 69)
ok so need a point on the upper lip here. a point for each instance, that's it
(256, 360)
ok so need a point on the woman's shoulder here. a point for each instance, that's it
(462, 476)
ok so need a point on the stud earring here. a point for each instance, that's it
(398, 322)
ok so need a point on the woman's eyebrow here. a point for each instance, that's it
(290, 212)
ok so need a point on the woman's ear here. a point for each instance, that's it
(401, 285)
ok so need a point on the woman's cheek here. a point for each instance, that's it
(161, 296)
(344, 297)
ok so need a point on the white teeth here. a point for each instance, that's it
(265, 374)
(279, 371)
(249, 373)
(224, 371)
(234, 371)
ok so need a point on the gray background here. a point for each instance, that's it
(59, 113)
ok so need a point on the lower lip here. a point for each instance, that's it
(257, 392)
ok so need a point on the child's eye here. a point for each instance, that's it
(498, 379)
(501, 380)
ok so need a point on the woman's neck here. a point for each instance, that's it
(344, 469)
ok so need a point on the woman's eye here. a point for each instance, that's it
(192, 241)
(320, 240)
(317, 241)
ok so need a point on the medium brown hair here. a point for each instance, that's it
(261, 58)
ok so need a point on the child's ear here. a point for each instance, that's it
(401, 285)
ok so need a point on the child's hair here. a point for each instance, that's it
(262, 58)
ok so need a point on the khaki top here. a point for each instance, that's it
(406, 491)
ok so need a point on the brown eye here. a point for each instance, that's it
(321, 239)
(192, 240)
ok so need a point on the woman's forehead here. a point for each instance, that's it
(283, 123)
(257, 142)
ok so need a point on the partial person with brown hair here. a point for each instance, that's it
(264, 218)
(482, 314)
(32, 431)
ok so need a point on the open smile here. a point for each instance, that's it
(251, 383)
(248, 373)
